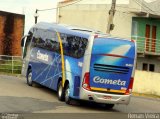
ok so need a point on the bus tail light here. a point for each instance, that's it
(86, 84)
(96, 36)
(132, 40)
(129, 90)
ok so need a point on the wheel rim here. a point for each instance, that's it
(67, 94)
(60, 91)
(30, 77)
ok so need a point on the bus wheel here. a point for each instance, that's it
(29, 77)
(67, 92)
(109, 106)
(60, 92)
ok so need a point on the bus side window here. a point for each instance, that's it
(38, 39)
(64, 43)
(53, 42)
(73, 46)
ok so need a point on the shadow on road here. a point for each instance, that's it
(77, 103)
(12, 104)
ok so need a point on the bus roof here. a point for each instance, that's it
(63, 28)
(74, 30)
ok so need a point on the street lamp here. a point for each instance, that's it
(36, 15)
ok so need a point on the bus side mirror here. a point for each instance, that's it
(23, 40)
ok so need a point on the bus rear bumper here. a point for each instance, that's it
(104, 97)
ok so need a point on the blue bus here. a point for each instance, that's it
(79, 63)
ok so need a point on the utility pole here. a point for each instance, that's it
(36, 16)
(111, 15)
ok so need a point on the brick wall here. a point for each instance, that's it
(11, 32)
(17, 35)
(2, 34)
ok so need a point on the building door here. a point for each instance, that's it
(147, 37)
(154, 29)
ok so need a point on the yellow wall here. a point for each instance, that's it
(147, 82)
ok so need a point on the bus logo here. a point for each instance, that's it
(129, 65)
(100, 80)
(42, 56)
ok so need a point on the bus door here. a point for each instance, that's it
(45, 58)
(26, 47)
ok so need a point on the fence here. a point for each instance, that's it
(10, 64)
(147, 45)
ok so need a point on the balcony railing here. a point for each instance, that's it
(147, 45)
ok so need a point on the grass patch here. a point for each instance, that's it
(8, 66)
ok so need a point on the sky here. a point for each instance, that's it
(108, 1)
(28, 8)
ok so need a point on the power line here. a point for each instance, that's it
(145, 6)
(141, 5)
(61, 6)
(132, 7)
(137, 2)
(127, 7)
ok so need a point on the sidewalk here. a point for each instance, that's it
(146, 95)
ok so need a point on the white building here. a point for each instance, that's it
(94, 14)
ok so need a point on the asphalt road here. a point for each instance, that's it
(17, 97)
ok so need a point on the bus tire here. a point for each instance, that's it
(67, 92)
(109, 106)
(29, 78)
(60, 92)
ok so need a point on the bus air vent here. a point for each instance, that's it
(111, 68)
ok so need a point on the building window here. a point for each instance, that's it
(145, 67)
(148, 67)
(147, 42)
(151, 67)
(134, 28)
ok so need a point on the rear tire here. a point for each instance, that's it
(29, 78)
(109, 106)
(60, 92)
(67, 92)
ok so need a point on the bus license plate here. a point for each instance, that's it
(107, 97)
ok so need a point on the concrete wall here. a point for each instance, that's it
(95, 16)
(147, 82)
(123, 24)
(154, 6)
(91, 16)
(148, 60)
(100, 1)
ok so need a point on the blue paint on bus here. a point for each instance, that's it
(110, 62)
